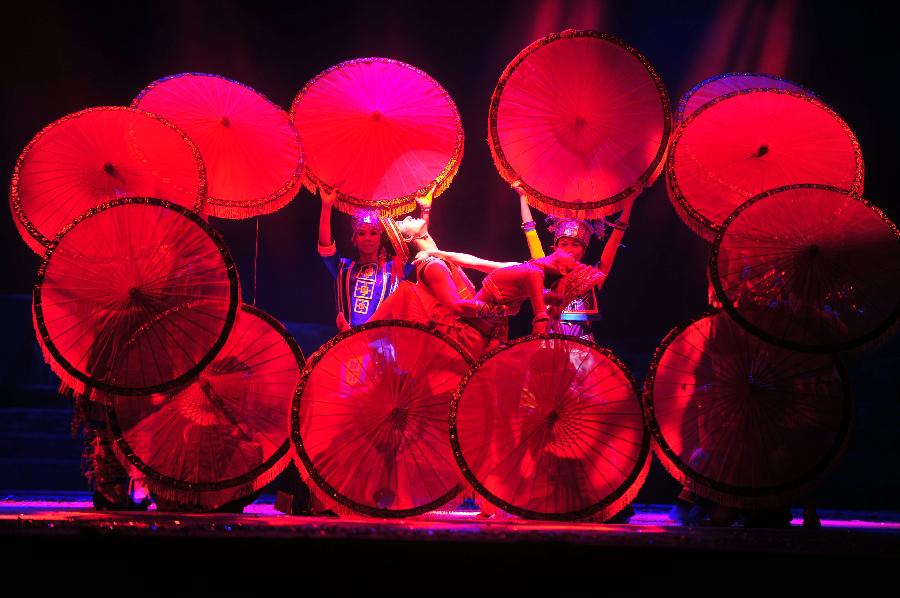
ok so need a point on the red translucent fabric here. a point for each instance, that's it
(90, 157)
(751, 141)
(810, 268)
(226, 434)
(380, 131)
(720, 85)
(370, 418)
(135, 298)
(741, 421)
(582, 119)
(551, 427)
(251, 150)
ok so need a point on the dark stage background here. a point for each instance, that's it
(62, 57)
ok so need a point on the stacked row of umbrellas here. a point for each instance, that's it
(137, 303)
(748, 403)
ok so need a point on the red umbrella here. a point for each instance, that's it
(369, 420)
(747, 142)
(720, 85)
(134, 297)
(380, 131)
(251, 149)
(88, 158)
(582, 119)
(226, 434)
(810, 268)
(740, 421)
(550, 427)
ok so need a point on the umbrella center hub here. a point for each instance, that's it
(376, 115)
(813, 250)
(553, 417)
(762, 151)
(399, 416)
(226, 122)
(580, 122)
(109, 169)
(135, 294)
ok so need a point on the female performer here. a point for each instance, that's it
(362, 284)
(573, 235)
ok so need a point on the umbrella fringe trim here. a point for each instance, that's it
(68, 384)
(201, 499)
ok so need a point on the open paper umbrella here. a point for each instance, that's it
(740, 421)
(750, 141)
(369, 419)
(582, 119)
(810, 268)
(379, 131)
(134, 297)
(225, 435)
(550, 427)
(250, 148)
(90, 157)
(720, 85)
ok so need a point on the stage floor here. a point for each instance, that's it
(47, 522)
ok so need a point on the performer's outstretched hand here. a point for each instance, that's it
(424, 201)
(328, 195)
(517, 186)
(424, 255)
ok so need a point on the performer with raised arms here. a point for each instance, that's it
(573, 236)
(361, 284)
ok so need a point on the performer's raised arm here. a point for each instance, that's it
(328, 196)
(528, 227)
(615, 239)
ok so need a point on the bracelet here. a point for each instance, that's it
(489, 310)
(528, 226)
(620, 225)
(540, 318)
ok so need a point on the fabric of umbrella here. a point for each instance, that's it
(720, 85)
(550, 427)
(134, 297)
(88, 158)
(226, 434)
(250, 148)
(379, 131)
(740, 421)
(750, 141)
(369, 420)
(809, 268)
(582, 119)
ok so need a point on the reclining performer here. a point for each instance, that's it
(508, 283)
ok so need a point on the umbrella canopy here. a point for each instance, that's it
(226, 434)
(740, 421)
(550, 427)
(134, 297)
(369, 420)
(720, 85)
(582, 119)
(379, 131)
(810, 268)
(88, 158)
(750, 141)
(250, 148)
